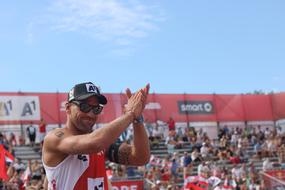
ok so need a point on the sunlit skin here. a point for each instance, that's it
(83, 122)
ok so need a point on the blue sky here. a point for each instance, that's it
(201, 46)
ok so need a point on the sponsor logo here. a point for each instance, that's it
(153, 106)
(19, 108)
(53, 184)
(96, 184)
(124, 187)
(91, 88)
(82, 157)
(195, 107)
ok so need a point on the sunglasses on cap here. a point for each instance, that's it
(84, 107)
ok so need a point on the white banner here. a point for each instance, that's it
(13, 108)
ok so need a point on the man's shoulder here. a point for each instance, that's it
(55, 135)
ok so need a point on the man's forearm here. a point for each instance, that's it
(141, 148)
(108, 134)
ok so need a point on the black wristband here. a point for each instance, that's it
(139, 120)
(113, 155)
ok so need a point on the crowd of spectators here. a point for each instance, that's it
(227, 161)
(230, 159)
(23, 176)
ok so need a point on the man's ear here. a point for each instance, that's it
(67, 107)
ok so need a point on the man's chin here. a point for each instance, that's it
(87, 127)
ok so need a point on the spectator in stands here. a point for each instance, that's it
(31, 132)
(69, 151)
(4, 141)
(187, 166)
(199, 136)
(229, 182)
(203, 169)
(170, 142)
(12, 139)
(281, 153)
(18, 165)
(279, 131)
(165, 175)
(36, 170)
(157, 133)
(223, 142)
(267, 133)
(195, 155)
(204, 150)
(171, 124)
(174, 170)
(258, 149)
(266, 164)
(42, 130)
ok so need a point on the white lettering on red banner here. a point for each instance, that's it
(127, 185)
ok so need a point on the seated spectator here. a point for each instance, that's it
(195, 155)
(230, 183)
(281, 153)
(170, 142)
(203, 169)
(204, 150)
(36, 170)
(266, 165)
(165, 176)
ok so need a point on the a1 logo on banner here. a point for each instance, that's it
(19, 108)
(96, 184)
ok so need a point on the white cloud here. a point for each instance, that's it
(277, 78)
(120, 22)
(30, 36)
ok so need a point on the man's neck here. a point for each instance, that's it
(73, 129)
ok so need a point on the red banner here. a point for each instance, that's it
(128, 185)
(17, 108)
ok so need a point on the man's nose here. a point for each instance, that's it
(91, 114)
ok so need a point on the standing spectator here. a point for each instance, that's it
(174, 170)
(186, 164)
(171, 124)
(42, 130)
(31, 131)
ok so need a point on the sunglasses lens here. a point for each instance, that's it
(97, 109)
(85, 107)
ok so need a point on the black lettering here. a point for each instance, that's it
(4, 109)
(34, 105)
(91, 88)
(82, 157)
(27, 110)
(10, 104)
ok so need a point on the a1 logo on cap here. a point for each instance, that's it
(91, 88)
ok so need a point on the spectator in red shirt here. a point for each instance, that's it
(171, 124)
(42, 130)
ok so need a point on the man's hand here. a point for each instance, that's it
(137, 101)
